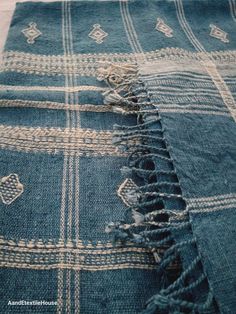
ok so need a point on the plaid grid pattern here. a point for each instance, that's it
(56, 136)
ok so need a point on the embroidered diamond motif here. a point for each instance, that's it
(127, 192)
(10, 188)
(218, 33)
(162, 27)
(31, 33)
(97, 34)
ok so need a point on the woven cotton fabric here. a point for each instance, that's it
(117, 158)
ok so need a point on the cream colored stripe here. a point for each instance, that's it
(76, 213)
(77, 267)
(79, 142)
(193, 107)
(61, 243)
(67, 89)
(183, 111)
(187, 29)
(221, 86)
(232, 6)
(130, 32)
(207, 61)
(70, 197)
(54, 105)
(125, 26)
(213, 209)
(83, 260)
(61, 274)
(86, 260)
(68, 291)
(76, 251)
(12, 57)
(87, 64)
(69, 150)
(72, 172)
(212, 198)
(132, 28)
(213, 203)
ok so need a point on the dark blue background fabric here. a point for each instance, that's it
(56, 134)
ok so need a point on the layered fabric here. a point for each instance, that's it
(118, 158)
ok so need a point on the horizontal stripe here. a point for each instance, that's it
(54, 105)
(53, 88)
(222, 202)
(80, 142)
(193, 93)
(184, 111)
(158, 88)
(214, 209)
(212, 198)
(60, 243)
(178, 75)
(87, 258)
(193, 107)
(21, 265)
(87, 64)
(74, 258)
(77, 255)
(212, 203)
(85, 250)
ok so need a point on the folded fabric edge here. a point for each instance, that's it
(151, 221)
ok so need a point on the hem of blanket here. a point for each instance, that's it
(157, 216)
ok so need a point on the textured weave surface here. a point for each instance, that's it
(71, 73)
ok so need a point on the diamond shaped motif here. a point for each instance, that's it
(97, 34)
(10, 188)
(162, 27)
(127, 192)
(31, 33)
(218, 33)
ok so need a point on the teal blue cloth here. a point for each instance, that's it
(89, 88)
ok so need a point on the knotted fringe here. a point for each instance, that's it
(158, 216)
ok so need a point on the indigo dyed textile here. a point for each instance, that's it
(118, 158)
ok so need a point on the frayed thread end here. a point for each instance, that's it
(157, 208)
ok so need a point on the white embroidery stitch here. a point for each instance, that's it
(97, 34)
(87, 64)
(31, 33)
(218, 33)
(10, 188)
(126, 192)
(162, 27)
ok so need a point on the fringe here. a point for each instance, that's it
(159, 216)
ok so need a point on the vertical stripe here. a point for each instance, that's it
(60, 274)
(185, 26)
(232, 6)
(68, 291)
(207, 61)
(73, 203)
(77, 273)
(65, 275)
(70, 166)
(130, 31)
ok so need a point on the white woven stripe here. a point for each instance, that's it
(188, 31)
(129, 27)
(66, 89)
(213, 209)
(213, 198)
(232, 6)
(212, 203)
(184, 111)
(207, 61)
(9, 103)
